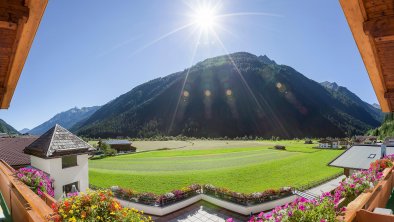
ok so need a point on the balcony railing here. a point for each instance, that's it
(22, 202)
(361, 209)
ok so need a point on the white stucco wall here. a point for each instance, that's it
(64, 176)
(40, 163)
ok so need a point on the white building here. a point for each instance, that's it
(333, 143)
(325, 143)
(64, 156)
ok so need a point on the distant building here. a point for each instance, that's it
(364, 140)
(325, 143)
(3, 135)
(343, 143)
(389, 141)
(121, 146)
(359, 157)
(333, 143)
(11, 151)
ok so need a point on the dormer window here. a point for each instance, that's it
(69, 161)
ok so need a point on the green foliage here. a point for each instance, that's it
(107, 150)
(386, 129)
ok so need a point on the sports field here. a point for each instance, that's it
(244, 166)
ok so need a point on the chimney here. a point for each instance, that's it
(383, 150)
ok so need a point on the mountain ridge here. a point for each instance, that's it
(24, 130)
(6, 128)
(67, 119)
(215, 99)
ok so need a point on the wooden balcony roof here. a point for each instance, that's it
(372, 25)
(19, 21)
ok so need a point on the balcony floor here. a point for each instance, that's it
(201, 211)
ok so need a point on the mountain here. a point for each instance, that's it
(6, 128)
(66, 119)
(24, 130)
(352, 101)
(214, 98)
(377, 106)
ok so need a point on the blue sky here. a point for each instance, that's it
(89, 52)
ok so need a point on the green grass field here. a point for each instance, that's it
(248, 168)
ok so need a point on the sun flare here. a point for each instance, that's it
(205, 17)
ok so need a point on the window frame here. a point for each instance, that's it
(68, 166)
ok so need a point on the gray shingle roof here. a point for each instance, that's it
(359, 157)
(56, 142)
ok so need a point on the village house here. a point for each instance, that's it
(121, 146)
(325, 143)
(366, 140)
(333, 143)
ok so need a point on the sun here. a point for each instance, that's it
(205, 17)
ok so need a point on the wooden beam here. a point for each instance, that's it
(389, 94)
(385, 38)
(355, 15)
(381, 27)
(17, 10)
(7, 25)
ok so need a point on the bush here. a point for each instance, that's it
(107, 150)
(95, 206)
(280, 147)
(37, 180)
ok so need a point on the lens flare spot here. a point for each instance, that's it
(229, 92)
(186, 93)
(281, 87)
(207, 93)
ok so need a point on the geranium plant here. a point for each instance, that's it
(95, 206)
(381, 164)
(355, 184)
(37, 180)
(300, 210)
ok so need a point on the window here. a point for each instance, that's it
(69, 161)
(371, 156)
(69, 188)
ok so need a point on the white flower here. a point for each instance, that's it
(257, 195)
(169, 195)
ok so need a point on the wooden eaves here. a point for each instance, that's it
(372, 26)
(19, 21)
